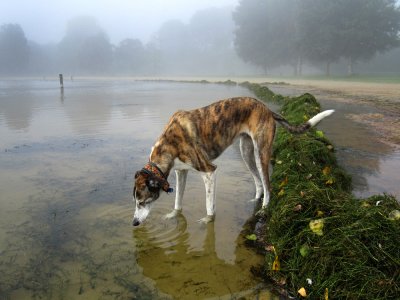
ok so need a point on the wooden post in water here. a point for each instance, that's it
(61, 80)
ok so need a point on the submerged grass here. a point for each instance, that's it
(320, 239)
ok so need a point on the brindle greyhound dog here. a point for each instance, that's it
(193, 139)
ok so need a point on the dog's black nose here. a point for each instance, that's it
(135, 222)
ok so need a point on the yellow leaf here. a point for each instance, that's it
(326, 295)
(284, 182)
(281, 193)
(330, 181)
(302, 194)
(316, 226)
(320, 213)
(302, 292)
(276, 265)
(394, 215)
(326, 171)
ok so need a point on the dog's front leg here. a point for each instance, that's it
(180, 189)
(210, 183)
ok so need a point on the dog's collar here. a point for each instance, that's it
(152, 169)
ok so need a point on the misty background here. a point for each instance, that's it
(199, 38)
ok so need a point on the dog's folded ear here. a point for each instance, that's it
(137, 174)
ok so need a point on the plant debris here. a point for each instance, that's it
(318, 229)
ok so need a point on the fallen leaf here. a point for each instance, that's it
(302, 194)
(319, 133)
(251, 237)
(304, 250)
(302, 292)
(276, 266)
(326, 171)
(281, 193)
(394, 215)
(309, 176)
(330, 147)
(270, 248)
(298, 207)
(365, 204)
(316, 226)
(326, 294)
(309, 281)
(279, 162)
(320, 213)
(330, 181)
(284, 182)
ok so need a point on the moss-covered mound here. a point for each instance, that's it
(321, 241)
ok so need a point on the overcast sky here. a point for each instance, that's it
(44, 21)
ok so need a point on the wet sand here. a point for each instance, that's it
(383, 97)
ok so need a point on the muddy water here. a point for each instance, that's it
(67, 160)
(373, 164)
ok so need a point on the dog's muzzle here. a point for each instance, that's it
(141, 213)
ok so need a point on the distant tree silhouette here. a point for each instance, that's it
(14, 50)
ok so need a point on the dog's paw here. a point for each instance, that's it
(206, 219)
(262, 213)
(172, 215)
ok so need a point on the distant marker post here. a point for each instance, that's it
(61, 80)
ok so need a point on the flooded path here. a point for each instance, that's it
(67, 162)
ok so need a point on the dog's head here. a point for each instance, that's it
(146, 189)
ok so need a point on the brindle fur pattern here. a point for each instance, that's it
(197, 137)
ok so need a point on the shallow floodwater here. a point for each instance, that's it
(373, 164)
(67, 160)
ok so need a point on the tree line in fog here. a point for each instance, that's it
(202, 46)
(271, 33)
(260, 35)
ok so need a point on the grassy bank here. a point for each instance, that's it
(322, 242)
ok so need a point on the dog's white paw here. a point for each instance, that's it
(262, 213)
(172, 215)
(206, 219)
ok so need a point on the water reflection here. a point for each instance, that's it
(17, 109)
(185, 273)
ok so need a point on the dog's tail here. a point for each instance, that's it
(305, 126)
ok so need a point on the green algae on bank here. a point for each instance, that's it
(319, 238)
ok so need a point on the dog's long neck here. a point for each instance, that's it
(163, 155)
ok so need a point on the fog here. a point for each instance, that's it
(44, 21)
(201, 38)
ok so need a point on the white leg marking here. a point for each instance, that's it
(260, 171)
(247, 151)
(181, 176)
(209, 182)
(180, 189)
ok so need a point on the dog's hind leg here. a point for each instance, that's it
(181, 176)
(210, 183)
(247, 151)
(262, 154)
